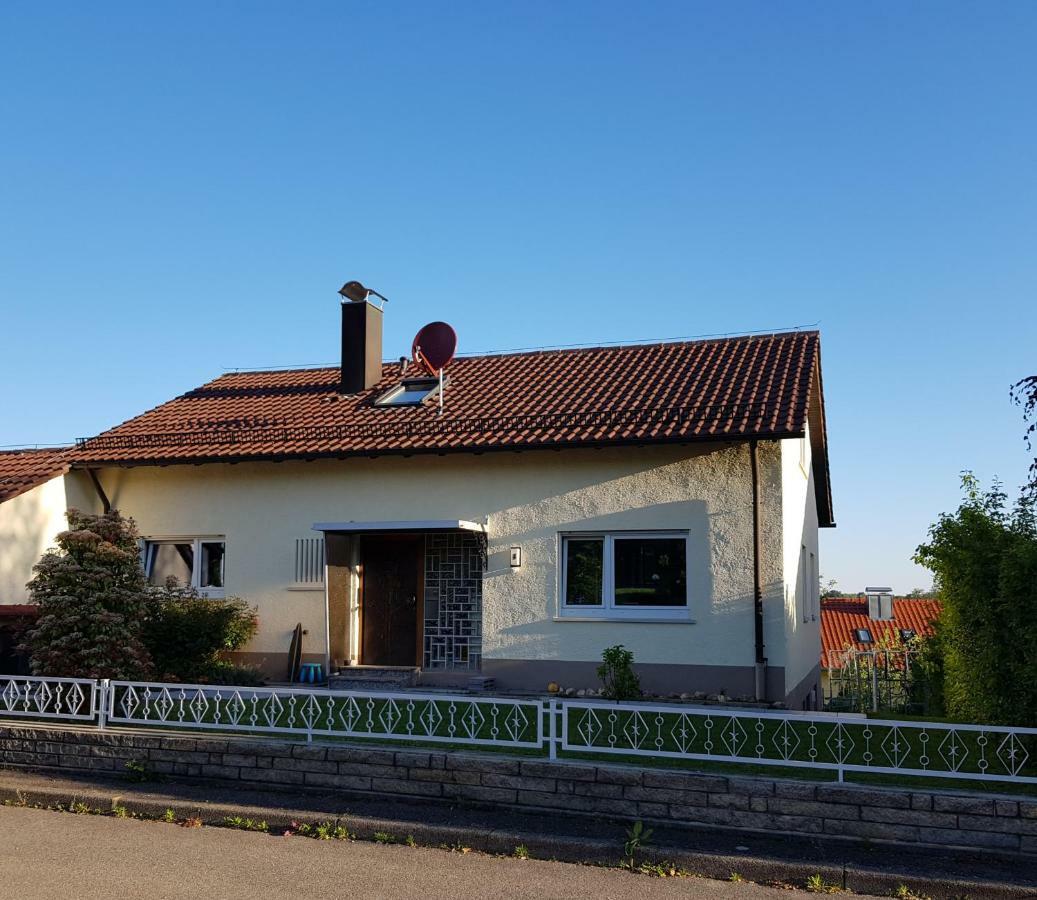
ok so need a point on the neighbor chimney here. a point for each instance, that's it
(361, 346)
(880, 603)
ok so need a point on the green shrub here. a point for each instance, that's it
(984, 559)
(187, 633)
(618, 680)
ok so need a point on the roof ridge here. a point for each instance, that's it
(545, 351)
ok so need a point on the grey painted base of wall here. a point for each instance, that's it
(273, 666)
(800, 696)
(656, 678)
(576, 788)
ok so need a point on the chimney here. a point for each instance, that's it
(880, 603)
(361, 346)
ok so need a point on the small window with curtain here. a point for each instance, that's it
(625, 575)
(191, 562)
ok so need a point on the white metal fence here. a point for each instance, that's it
(558, 727)
(49, 698)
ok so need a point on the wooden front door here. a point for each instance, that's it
(391, 602)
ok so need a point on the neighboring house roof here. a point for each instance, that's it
(842, 616)
(764, 386)
(22, 470)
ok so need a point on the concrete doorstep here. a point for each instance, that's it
(878, 869)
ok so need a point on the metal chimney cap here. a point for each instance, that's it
(355, 291)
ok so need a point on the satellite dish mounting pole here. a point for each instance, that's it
(441, 391)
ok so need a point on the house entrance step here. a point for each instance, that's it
(374, 678)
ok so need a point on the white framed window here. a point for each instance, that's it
(196, 562)
(625, 575)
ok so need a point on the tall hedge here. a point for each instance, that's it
(984, 561)
(92, 600)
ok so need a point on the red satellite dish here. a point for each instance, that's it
(434, 346)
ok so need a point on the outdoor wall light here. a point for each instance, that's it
(516, 557)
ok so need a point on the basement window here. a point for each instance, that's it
(625, 575)
(409, 392)
(191, 562)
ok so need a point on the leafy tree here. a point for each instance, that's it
(92, 600)
(829, 588)
(1024, 394)
(922, 594)
(984, 562)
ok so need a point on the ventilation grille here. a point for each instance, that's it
(309, 561)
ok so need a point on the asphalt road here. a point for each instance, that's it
(47, 854)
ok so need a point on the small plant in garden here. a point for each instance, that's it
(618, 680)
(169, 816)
(384, 837)
(521, 852)
(246, 824)
(817, 885)
(637, 837)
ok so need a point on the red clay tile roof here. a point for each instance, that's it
(841, 616)
(734, 388)
(22, 470)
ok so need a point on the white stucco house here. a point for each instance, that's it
(512, 523)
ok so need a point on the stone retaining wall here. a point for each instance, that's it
(943, 818)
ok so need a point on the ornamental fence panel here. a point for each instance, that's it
(30, 697)
(843, 743)
(315, 713)
(557, 727)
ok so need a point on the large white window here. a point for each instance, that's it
(625, 575)
(196, 562)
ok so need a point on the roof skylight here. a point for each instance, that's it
(409, 392)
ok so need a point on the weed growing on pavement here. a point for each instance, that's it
(245, 824)
(191, 822)
(735, 877)
(384, 837)
(168, 816)
(119, 811)
(817, 885)
(320, 831)
(903, 892)
(663, 870)
(521, 852)
(637, 837)
(409, 841)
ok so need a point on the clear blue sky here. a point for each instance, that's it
(183, 187)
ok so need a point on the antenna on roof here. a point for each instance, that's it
(433, 347)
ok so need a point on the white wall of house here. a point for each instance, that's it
(801, 562)
(526, 500)
(28, 526)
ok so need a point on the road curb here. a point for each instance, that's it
(151, 801)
